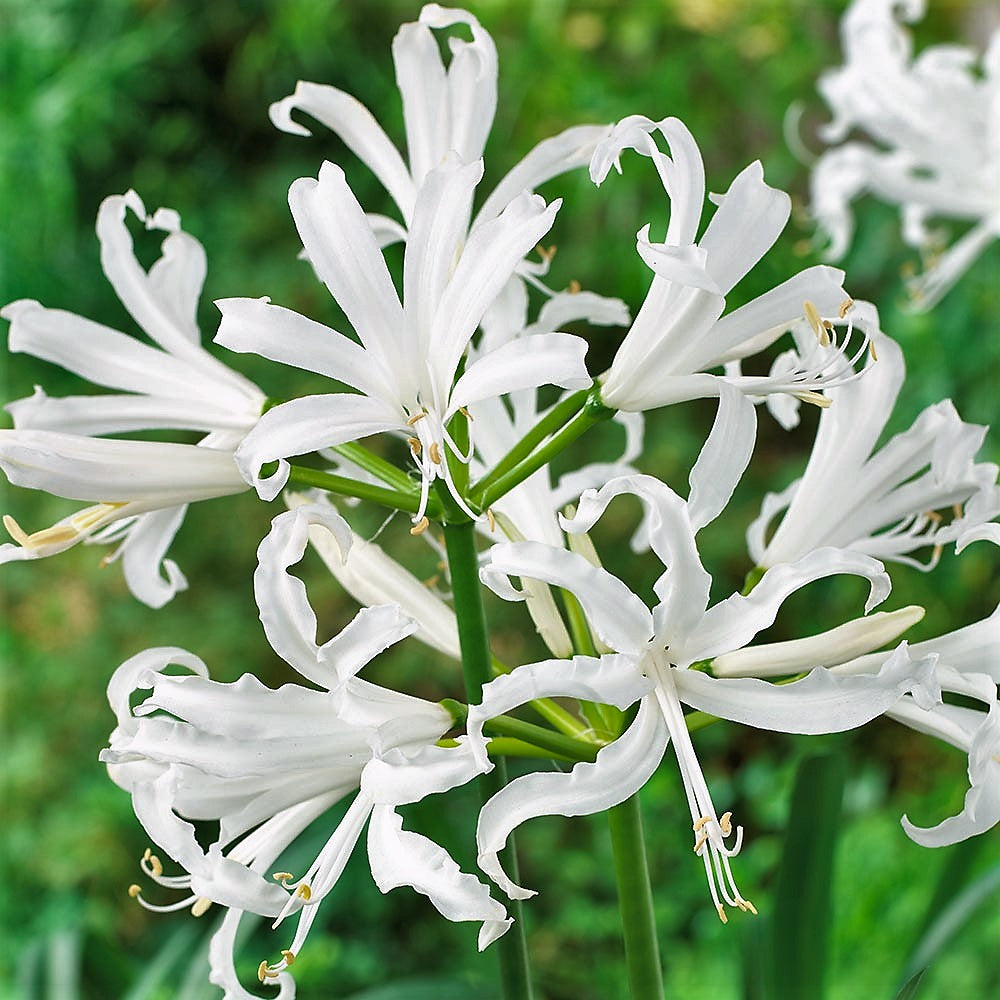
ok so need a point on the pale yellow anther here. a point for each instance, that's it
(845, 307)
(414, 444)
(871, 350)
(721, 910)
(416, 416)
(432, 581)
(813, 317)
(747, 905)
(421, 526)
(304, 892)
(263, 971)
(816, 398)
(491, 519)
(200, 906)
(465, 413)
(281, 876)
(435, 453)
(725, 824)
(700, 842)
(134, 890)
(699, 823)
(289, 956)
(546, 253)
(956, 509)
(574, 287)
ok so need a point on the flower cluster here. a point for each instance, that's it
(469, 373)
(930, 138)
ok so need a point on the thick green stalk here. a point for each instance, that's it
(460, 544)
(551, 711)
(635, 901)
(549, 424)
(342, 486)
(593, 412)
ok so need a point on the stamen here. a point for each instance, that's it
(304, 892)
(435, 453)
(546, 253)
(871, 350)
(155, 865)
(465, 413)
(421, 526)
(201, 906)
(134, 890)
(282, 877)
(415, 446)
(491, 520)
(574, 287)
(720, 909)
(725, 824)
(265, 972)
(289, 956)
(811, 314)
(816, 398)
(432, 581)
(845, 307)
(416, 416)
(79, 524)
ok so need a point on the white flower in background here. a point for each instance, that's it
(933, 138)
(138, 491)
(654, 651)
(445, 110)
(679, 333)
(252, 757)
(176, 385)
(883, 502)
(405, 367)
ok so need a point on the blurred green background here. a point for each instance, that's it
(170, 97)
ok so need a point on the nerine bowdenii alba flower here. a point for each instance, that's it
(140, 487)
(266, 763)
(922, 133)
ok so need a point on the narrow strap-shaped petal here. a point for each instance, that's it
(343, 250)
(255, 326)
(724, 457)
(620, 770)
(822, 702)
(524, 363)
(437, 232)
(493, 251)
(750, 217)
(683, 265)
(400, 857)
(551, 157)
(732, 623)
(151, 577)
(621, 620)
(684, 585)
(308, 424)
(121, 414)
(99, 469)
(422, 82)
(614, 679)
(373, 577)
(140, 672)
(357, 128)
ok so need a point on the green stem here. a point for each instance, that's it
(460, 544)
(550, 423)
(546, 739)
(377, 466)
(342, 486)
(635, 901)
(593, 412)
(551, 711)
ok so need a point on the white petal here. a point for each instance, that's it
(142, 554)
(343, 250)
(553, 156)
(723, 458)
(621, 620)
(732, 623)
(683, 265)
(822, 702)
(750, 217)
(96, 469)
(308, 424)
(620, 770)
(493, 251)
(255, 326)
(399, 857)
(356, 126)
(524, 363)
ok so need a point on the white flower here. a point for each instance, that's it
(881, 502)
(654, 652)
(405, 368)
(139, 491)
(934, 134)
(251, 757)
(176, 385)
(445, 110)
(679, 333)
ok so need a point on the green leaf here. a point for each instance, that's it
(909, 989)
(423, 988)
(803, 904)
